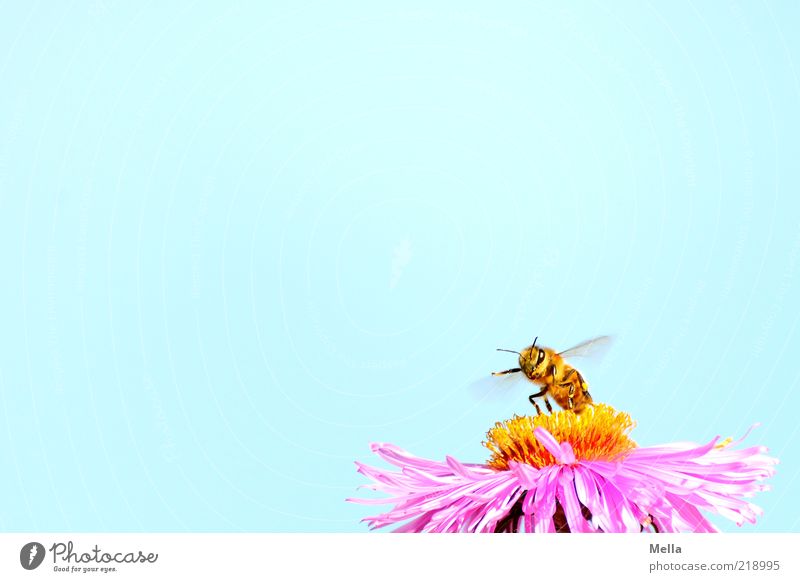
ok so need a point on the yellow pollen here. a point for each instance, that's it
(598, 433)
(723, 444)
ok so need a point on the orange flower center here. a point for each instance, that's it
(598, 433)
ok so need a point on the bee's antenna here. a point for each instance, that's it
(533, 345)
(511, 351)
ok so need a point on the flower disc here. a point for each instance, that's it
(599, 433)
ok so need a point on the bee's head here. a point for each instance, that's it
(533, 359)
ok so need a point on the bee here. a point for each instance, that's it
(546, 368)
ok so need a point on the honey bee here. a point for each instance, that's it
(546, 368)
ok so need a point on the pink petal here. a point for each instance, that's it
(674, 483)
(569, 501)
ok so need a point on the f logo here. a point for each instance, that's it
(31, 555)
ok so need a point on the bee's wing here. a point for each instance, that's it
(499, 387)
(595, 347)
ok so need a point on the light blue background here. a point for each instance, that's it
(240, 243)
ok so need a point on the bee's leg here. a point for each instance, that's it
(547, 404)
(570, 382)
(585, 388)
(536, 406)
(509, 371)
(542, 392)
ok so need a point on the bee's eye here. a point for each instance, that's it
(540, 357)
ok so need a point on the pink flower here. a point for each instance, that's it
(592, 479)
